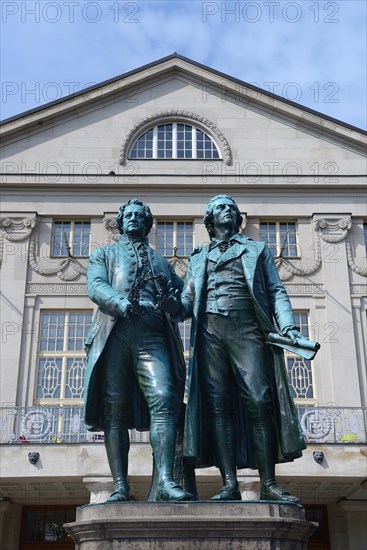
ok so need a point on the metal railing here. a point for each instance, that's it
(65, 424)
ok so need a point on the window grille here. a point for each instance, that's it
(70, 237)
(174, 238)
(299, 369)
(174, 141)
(281, 238)
(44, 525)
(61, 357)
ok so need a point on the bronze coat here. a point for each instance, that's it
(270, 302)
(112, 271)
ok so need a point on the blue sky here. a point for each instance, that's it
(309, 51)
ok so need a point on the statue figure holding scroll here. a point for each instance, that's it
(240, 412)
(135, 370)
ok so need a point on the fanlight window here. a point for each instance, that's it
(174, 141)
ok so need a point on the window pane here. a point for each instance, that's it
(184, 238)
(288, 238)
(167, 144)
(165, 238)
(143, 147)
(49, 378)
(81, 238)
(185, 329)
(79, 323)
(59, 375)
(205, 146)
(75, 371)
(52, 331)
(301, 318)
(300, 377)
(184, 141)
(268, 235)
(61, 238)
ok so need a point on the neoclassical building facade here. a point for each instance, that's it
(174, 133)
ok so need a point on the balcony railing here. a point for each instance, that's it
(65, 424)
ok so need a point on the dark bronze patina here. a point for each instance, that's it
(135, 369)
(240, 412)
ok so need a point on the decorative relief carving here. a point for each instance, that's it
(358, 289)
(336, 232)
(67, 269)
(112, 231)
(287, 269)
(304, 289)
(353, 266)
(333, 231)
(15, 230)
(175, 115)
(56, 288)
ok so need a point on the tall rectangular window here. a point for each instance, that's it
(281, 238)
(299, 369)
(70, 237)
(365, 235)
(175, 238)
(61, 357)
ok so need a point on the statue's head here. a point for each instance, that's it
(134, 205)
(209, 218)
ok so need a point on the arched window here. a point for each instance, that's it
(174, 141)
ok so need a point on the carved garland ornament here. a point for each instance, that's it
(173, 116)
(66, 269)
(69, 269)
(19, 230)
(329, 232)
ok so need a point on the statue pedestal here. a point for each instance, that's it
(254, 525)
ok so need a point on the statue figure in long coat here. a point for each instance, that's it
(239, 412)
(135, 368)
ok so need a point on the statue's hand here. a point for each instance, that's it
(171, 304)
(124, 307)
(294, 335)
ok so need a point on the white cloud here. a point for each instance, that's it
(311, 50)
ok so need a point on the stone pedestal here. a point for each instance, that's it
(192, 525)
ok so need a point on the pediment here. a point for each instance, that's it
(94, 125)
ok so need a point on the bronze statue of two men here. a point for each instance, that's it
(239, 413)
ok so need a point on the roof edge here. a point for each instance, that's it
(175, 55)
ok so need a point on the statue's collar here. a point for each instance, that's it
(237, 238)
(136, 242)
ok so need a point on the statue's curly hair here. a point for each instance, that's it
(208, 217)
(147, 211)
